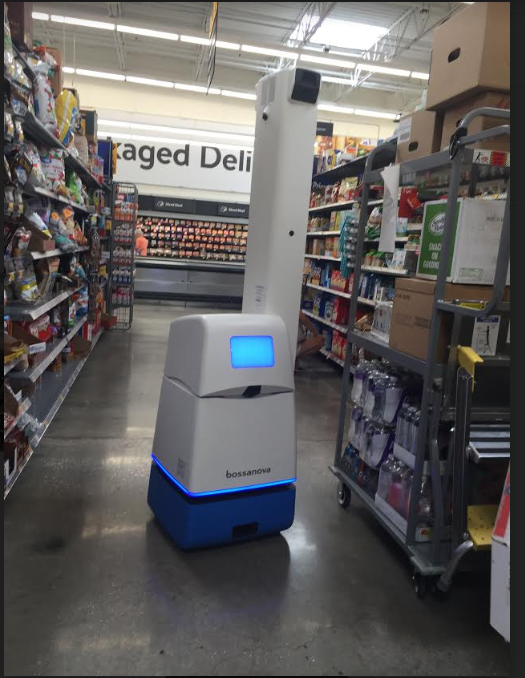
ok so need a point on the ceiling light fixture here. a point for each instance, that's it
(100, 74)
(197, 88)
(147, 32)
(376, 114)
(336, 109)
(195, 40)
(40, 15)
(82, 22)
(337, 81)
(339, 63)
(268, 51)
(68, 69)
(420, 76)
(238, 95)
(149, 81)
(372, 68)
(228, 45)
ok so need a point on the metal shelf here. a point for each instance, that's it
(16, 476)
(402, 273)
(12, 365)
(77, 166)
(369, 343)
(34, 129)
(419, 553)
(48, 399)
(331, 356)
(20, 311)
(340, 328)
(55, 348)
(22, 409)
(56, 253)
(337, 293)
(332, 206)
(320, 256)
(403, 238)
(318, 234)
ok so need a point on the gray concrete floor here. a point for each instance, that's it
(93, 587)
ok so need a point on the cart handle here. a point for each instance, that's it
(462, 129)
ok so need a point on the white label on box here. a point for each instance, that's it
(260, 298)
(404, 130)
(485, 335)
(37, 348)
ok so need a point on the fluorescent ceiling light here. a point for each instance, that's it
(100, 74)
(337, 81)
(149, 81)
(238, 95)
(195, 40)
(68, 69)
(82, 22)
(120, 135)
(197, 88)
(340, 33)
(40, 15)
(268, 51)
(339, 63)
(336, 109)
(228, 45)
(247, 138)
(420, 76)
(147, 32)
(376, 114)
(372, 68)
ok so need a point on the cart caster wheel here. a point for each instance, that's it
(421, 586)
(344, 495)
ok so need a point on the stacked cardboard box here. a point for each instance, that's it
(470, 69)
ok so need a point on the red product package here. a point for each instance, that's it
(408, 202)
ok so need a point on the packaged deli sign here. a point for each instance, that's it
(175, 205)
(190, 165)
(227, 210)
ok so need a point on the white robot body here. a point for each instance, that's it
(224, 453)
(226, 418)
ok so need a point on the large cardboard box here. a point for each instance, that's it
(471, 54)
(412, 312)
(20, 16)
(455, 115)
(477, 232)
(419, 135)
(500, 572)
(89, 123)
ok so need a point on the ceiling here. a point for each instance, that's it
(407, 44)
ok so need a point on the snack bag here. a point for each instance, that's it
(44, 99)
(53, 167)
(67, 114)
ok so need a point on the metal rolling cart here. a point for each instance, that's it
(121, 275)
(448, 400)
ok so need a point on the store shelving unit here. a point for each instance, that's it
(121, 293)
(50, 388)
(440, 556)
(324, 321)
(22, 409)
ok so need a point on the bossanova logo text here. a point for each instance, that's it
(437, 225)
(244, 474)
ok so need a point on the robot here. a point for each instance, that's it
(224, 452)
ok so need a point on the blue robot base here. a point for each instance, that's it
(199, 522)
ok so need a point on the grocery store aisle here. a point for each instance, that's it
(93, 587)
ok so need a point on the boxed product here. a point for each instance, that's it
(454, 115)
(340, 311)
(419, 134)
(412, 312)
(21, 24)
(471, 54)
(477, 231)
(89, 123)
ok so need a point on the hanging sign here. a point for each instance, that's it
(185, 165)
